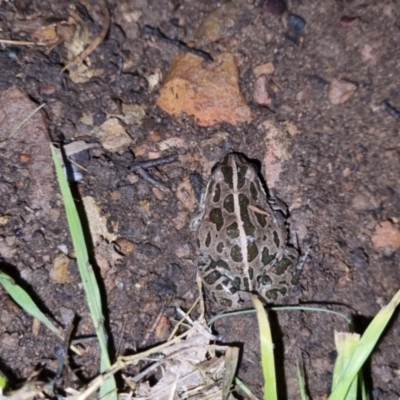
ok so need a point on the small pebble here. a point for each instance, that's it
(264, 69)
(260, 91)
(24, 157)
(125, 246)
(362, 202)
(340, 91)
(63, 248)
(59, 272)
(318, 83)
(387, 237)
(296, 26)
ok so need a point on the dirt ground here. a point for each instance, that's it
(326, 131)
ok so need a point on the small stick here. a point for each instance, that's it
(97, 41)
(141, 166)
(391, 110)
(152, 328)
(21, 43)
(153, 181)
(153, 163)
(176, 42)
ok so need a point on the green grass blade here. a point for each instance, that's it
(280, 308)
(267, 352)
(245, 389)
(345, 345)
(92, 292)
(302, 387)
(3, 383)
(363, 388)
(364, 348)
(22, 298)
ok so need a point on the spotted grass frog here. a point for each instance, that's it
(242, 240)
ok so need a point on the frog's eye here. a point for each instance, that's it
(218, 174)
(251, 172)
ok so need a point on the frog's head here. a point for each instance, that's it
(236, 169)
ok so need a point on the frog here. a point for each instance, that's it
(242, 238)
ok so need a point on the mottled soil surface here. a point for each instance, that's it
(334, 162)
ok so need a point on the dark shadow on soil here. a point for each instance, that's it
(279, 348)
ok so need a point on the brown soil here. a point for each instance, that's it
(339, 177)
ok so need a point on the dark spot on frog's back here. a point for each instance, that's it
(235, 285)
(236, 254)
(225, 303)
(212, 277)
(261, 219)
(232, 231)
(246, 284)
(216, 218)
(241, 175)
(251, 273)
(266, 258)
(220, 247)
(273, 294)
(228, 203)
(264, 280)
(282, 266)
(217, 265)
(217, 193)
(228, 175)
(244, 214)
(252, 251)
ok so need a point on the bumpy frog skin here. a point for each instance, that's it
(242, 243)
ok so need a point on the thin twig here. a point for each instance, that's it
(153, 181)
(21, 43)
(153, 163)
(97, 41)
(137, 378)
(152, 328)
(176, 42)
(391, 110)
(183, 318)
(141, 166)
(22, 123)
